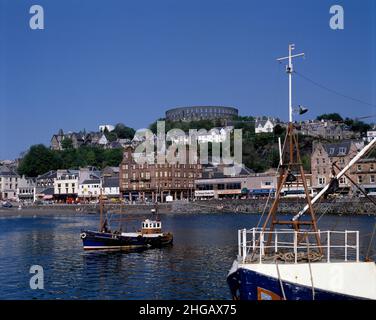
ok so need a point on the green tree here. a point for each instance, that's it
(38, 160)
(111, 136)
(330, 116)
(67, 143)
(124, 132)
(357, 125)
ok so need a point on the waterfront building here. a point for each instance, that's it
(8, 183)
(44, 186)
(295, 188)
(324, 155)
(215, 184)
(364, 174)
(195, 113)
(263, 125)
(153, 182)
(66, 185)
(90, 189)
(111, 188)
(25, 189)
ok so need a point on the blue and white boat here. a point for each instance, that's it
(298, 261)
(149, 236)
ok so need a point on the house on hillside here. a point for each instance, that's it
(264, 125)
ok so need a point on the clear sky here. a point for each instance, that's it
(99, 62)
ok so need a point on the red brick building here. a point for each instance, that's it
(154, 182)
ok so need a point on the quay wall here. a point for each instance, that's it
(287, 206)
(354, 206)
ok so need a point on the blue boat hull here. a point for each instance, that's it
(93, 240)
(250, 285)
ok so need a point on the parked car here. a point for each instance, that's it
(6, 204)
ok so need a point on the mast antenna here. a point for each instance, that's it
(290, 70)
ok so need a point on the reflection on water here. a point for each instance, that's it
(195, 267)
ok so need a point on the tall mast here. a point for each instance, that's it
(100, 211)
(291, 164)
(290, 70)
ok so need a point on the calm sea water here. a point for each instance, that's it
(194, 268)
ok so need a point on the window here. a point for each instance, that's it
(372, 179)
(372, 167)
(342, 180)
(360, 179)
(342, 150)
(321, 180)
(359, 167)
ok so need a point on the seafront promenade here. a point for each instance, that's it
(355, 206)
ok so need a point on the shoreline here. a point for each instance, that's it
(355, 207)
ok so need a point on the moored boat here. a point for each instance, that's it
(149, 236)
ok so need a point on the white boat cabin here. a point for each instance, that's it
(151, 226)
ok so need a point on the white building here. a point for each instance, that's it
(90, 189)
(215, 135)
(8, 183)
(109, 127)
(66, 184)
(264, 125)
(111, 187)
(103, 140)
(371, 135)
(25, 189)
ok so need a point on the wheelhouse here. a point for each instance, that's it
(151, 226)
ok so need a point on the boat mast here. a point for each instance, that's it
(291, 163)
(100, 211)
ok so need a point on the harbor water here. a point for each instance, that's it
(195, 267)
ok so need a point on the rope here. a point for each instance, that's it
(370, 243)
(333, 91)
(310, 270)
(280, 280)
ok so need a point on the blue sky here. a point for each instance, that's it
(128, 61)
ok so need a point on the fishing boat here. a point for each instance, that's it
(293, 259)
(150, 235)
